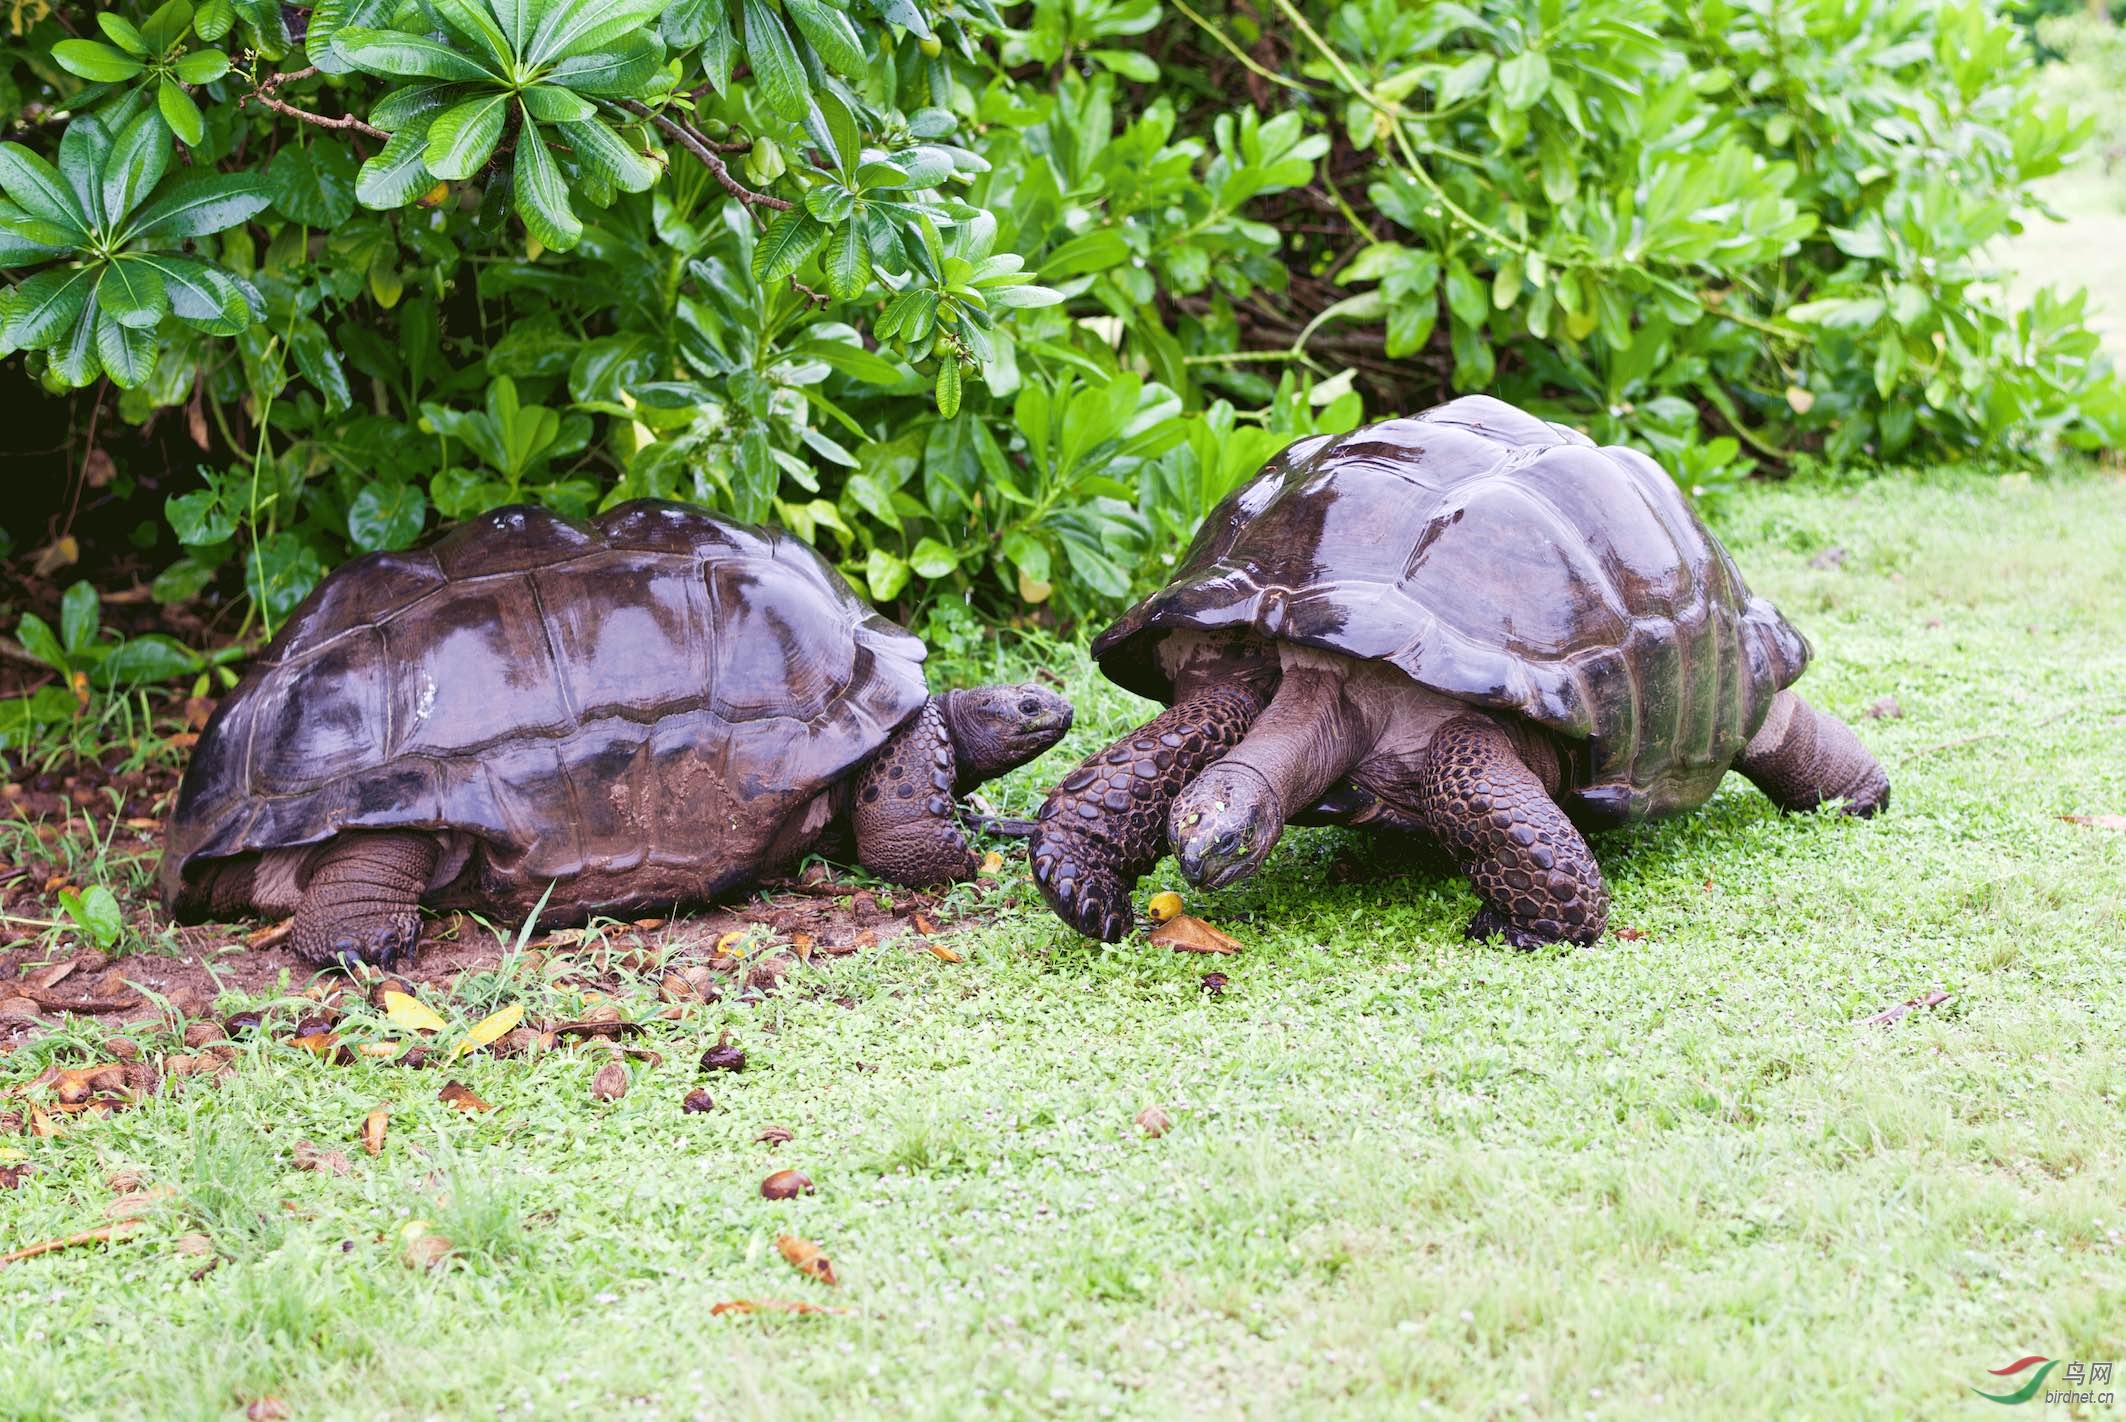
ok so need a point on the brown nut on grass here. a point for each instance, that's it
(785, 1185)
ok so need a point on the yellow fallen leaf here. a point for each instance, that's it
(411, 1013)
(492, 1027)
(992, 863)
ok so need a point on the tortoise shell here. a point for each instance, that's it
(1506, 562)
(644, 707)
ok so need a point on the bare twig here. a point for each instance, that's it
(700, 147)
(1898, 1010)
(264, 94)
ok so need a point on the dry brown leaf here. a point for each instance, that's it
(939, 951)
(785, 1185)
(922, 924)
(602, 1020)
(1185, 933)
(458, 1094)
(2109, 822)
(674, 988)
(194, 1245)
(323, 1162)
(1153, 1122)
(138, 1204)
(12, 1175)
(54, 975)
(266, 1409)
(74, 1086)
(775, 1135)
(610, 1082)
(805, 1257)
(373, 1127)
(382, 1051)
(769, 1306)
(421, 1249)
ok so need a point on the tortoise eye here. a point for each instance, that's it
(1028, 706)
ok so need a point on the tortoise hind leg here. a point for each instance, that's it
(1537, 877)
(902, 813)
(1801, 757)
(362, 904)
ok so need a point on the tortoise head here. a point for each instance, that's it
(1224, 825)
(999, 728)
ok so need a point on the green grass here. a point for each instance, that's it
(1667, 1175)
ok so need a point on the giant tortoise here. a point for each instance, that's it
(653, 707)
(1472, 624)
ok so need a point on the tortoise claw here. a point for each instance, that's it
(1091, 900)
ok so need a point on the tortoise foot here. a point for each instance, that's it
(362, 904)
(1489, 923)
(1089, 897)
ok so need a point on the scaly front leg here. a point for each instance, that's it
(1105, 825)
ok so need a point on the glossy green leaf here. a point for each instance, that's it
(831, 35)
(48, 305)
(790, 239)
(848, 263)
(549, 104)
(463, 137)
(386, 516)
(196, 205)
(96, 61)
(776, 67)
(132, 293)
(127, 352)
(80, 614)
(398, 172)
(605, 153)
(542, 197)
(180, 112)
(36, 187)
(139, 157)
(121, 32)
(313, 185)
(405, 56)
(202, 66)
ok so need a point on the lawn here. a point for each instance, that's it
(1669, 1174)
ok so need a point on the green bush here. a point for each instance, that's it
(997, 306)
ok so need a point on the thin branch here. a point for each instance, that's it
(264, 94)
(1225, 41)
(695, 144)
